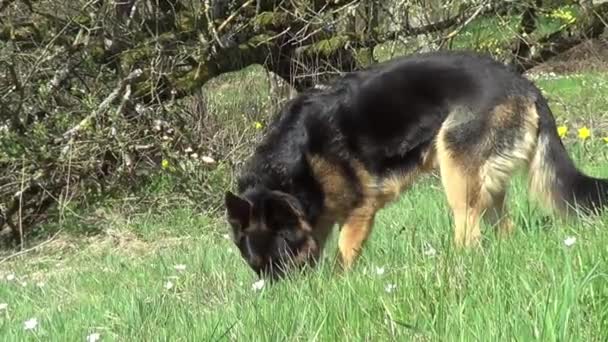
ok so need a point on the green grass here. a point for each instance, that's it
(576, 98)
(529, 287)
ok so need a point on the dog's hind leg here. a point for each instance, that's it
(498, 217)
(472, 196)
(464, 194)
(478, 155)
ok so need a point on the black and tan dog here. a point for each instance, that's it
(338, 155)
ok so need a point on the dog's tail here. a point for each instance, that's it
(555, 178)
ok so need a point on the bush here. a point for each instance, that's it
(195, 142)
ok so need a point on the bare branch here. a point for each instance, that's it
(105, 104)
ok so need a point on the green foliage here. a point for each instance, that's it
(73, 130)
(557, 19)
(272, 20)
(327, 47)
(490, 35)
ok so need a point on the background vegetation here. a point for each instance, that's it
(123, 122)
(103, 98)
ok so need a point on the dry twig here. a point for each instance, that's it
(105, 104)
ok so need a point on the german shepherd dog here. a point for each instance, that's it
(340, 154)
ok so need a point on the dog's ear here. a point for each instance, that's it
(281, 213)
(238, 211)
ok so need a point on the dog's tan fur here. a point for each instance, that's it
(356, 215)
(477, 187)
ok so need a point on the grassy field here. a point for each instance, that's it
(173, 274)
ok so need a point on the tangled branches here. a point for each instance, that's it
(95, 95)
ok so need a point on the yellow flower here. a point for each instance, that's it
(562, 131)
(584, 133)
(605, 139)
(564, 15)
(257, 125)
(164, 164)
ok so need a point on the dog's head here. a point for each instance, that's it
(271, 232)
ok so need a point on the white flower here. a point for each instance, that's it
(390, 288)
(30, 324)
(188, 150)
(40, 284)
(169, 285)
(379, 270)
(10, 276)
(23, 284)
(180, 267)
(571, 240)
(226, 236)
(3, 306)
(258, 285)
(208, 160)
(94, 337)
(194, 155)
(429, 251)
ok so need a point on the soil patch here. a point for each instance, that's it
(591, 55)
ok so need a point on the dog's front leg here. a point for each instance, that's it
(355, 231)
